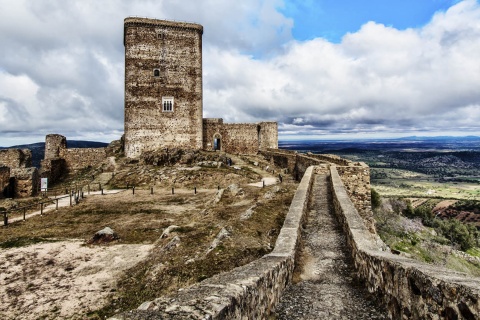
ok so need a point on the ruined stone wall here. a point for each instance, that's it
(355, 176)
(55, 144)
(4, 181)
(26, 181)
(268, 135)
(212, 127)
(16, 158)
(356, 179)
(410, 289)
(241, 138)
(79, 158)
(247, 292)
(163, 61)
(53, 169)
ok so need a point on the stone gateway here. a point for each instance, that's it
(163, 94)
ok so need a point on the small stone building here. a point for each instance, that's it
(164, 94)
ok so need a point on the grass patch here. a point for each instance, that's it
(23, 242)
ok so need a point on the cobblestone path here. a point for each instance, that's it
(324, 285)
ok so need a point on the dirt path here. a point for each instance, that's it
(63, 201)
(61, 279)
(325, 285)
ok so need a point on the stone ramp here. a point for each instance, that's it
(324, 285)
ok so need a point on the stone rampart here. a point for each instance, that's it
(79, 158)
(410, 289)
(247, 292)
(16, 158)
(26, 181)
(355, 175)
(4, 181)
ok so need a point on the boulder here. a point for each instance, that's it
(105, 235)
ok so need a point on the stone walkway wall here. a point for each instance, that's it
(410, 289)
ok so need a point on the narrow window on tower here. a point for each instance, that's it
(167, 104)
(156, 73)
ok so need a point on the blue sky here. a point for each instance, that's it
(323, 69)
(332, 19)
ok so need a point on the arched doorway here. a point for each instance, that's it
(217, 142)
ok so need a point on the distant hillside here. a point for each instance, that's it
(38, 149)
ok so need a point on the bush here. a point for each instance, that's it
(375, 199)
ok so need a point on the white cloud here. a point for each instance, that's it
(62, 66)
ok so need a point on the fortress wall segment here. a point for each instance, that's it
(212, 127)
(26, 182)
(247, 292)
(54, 146)
(240, 138)
(16, 158)
(268, 135)
(410, 289)
(4, 181)
(163, 85)
(79, 158)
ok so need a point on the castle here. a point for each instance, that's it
(163, 94)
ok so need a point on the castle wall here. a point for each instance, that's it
(212, 127)
(54, 145)
(4, 181)
(59, 160)
(410, 289)
(26, 181)
(163, 60)
(79, 158)
(16, 158)
(354, 175)
(268, 135)
(240, 138)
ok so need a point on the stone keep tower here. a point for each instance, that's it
(163, 85)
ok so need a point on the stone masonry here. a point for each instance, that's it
(4, 181)
(163, 85)
(60, 160)
(16, 158)
(243, 138)
(17, 176)
(163, 94)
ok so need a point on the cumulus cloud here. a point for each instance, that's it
(378, 79)
(62, 69)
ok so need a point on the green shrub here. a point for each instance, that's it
(375, 199)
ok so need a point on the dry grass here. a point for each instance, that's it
(181, 258)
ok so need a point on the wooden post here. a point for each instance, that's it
(24, 211)
(70, 199)
(102, 191)
(173, 190)
(133, 190)
(56, 204)
(195, 190)
(5, 218)
(263, 183)
(41, 208)
(151, 190)
(88, 188)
